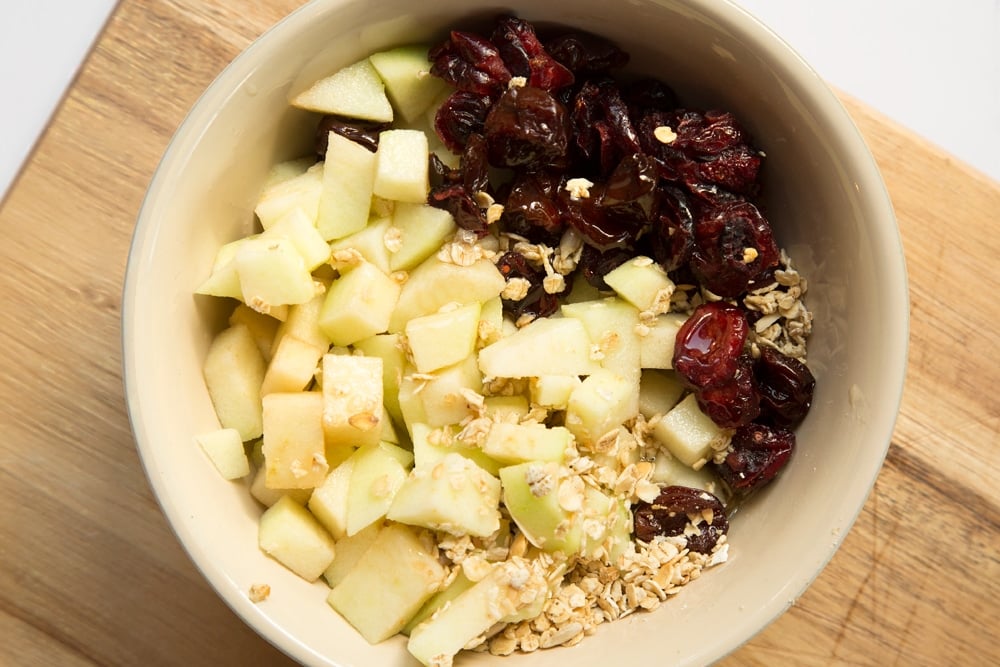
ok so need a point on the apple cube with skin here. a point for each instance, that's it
(302, 191)
(420, 229)
(611, 324)
(387, 347)
(348, 179)
(262, 327)
(546, 346)
(267, 496)
(658, 393)
(224, 280)
(356, 91)
(293, 366)
(600, 404)
(689, 434)
(298, 228)
(434, 284)
(531, 495)
(643, 283)
(459, 585)
(517, 443)
(234, 371)
(668, 471)
(405, 71)
(453, 494)
(302, 323)
(358, 304)
(389, 585)
(656, 348)
(273, 273)
(379, 471)
(350, 551)
(402, 171)
(432, 445)
(352, 401)
(328, 501)
(370, 242)
(443, 396)
(289, 534)
(509, 587)
(552, 391)
(443, 338)
(224, 449)
(294, 449)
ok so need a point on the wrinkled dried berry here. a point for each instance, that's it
(674, 508)
(471, 63)
(759, 453)
(525, 55)
(532, 207)
(457, 200)
(526, 128)
(785, 386)
(459, 116)
(631, 187)
(647, 95)
(586, 53)
(734, 244)
(601, 227)
(709, 345)
(538, 302)
(672, 239)
(734, 403)
(360, 132)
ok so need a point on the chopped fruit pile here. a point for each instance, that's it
(508, 346)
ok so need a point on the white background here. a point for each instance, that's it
(932, 67)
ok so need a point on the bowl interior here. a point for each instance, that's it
(824, 197)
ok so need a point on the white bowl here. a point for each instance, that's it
(824, 196)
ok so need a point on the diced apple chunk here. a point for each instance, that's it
(289, 534)
(348, 179)
(643, 283)
(506, 408)
(293, 366)
(444, 338)
(531, 495)
(303, 192)
(358, 304)
(328, 501)
(234, 371)
(444, 395)
(553, 391)
(668, 471)
(460, 584)
(658, 392)
(601, 402)
(301, 230)
(370, 242)
(294, 450)
(350, 551)
(379, 471)
(656, 348)
(419, 230)
(402, 169)
(517, 443)
(224, 280)
(409, 85)
(273, 273)
(263, 328)
(611, 325)
(224, 449)
(387, 347)
(267, 496)
(432, 445)
(546, 346)
(454, 495)
(434, 284)
(303, 323)
(355, 91)
(688, 433)
(352, 400)
(389, 585)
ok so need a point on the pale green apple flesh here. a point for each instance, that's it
(543, 347)
(292, 536)
(443, 338)
(409, 85)
(355, 91)
(224, 449)
(348, 183)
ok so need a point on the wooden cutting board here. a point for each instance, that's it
(90, 573)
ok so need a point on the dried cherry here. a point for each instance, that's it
(785, 386)
(733, 245)
(668, 515)
(672, 242)
(471, 63)
(734, 403)
(462, 114)
(361, 132)
(526, 127)
(532, 207)
(586, 53)
(525, 55)
(759, 453)
(709, 345)
(457, 200)
(537, 302)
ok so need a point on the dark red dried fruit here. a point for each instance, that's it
(526, 128)
(525, 56)
(538, 302)
(533, 204)
(469, 62)
(706, 134)
(586, 53)
(462, 114)
(360, 132)
(785, 386)
(709, 345)
(631, 187)
(672, 239)
(669, 513)
(647, 95)
(601, 227)
(474, 165)
(600, 123)
(735, 169)
(457, 200)
(734, 403)
(734, 244)
(759, 453)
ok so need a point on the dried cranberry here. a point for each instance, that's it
(733, 245)
(360, 132)
(709, 344)
(668, 515)
(759, 453)
(526, 127)
(469, 62)
(595, 264)
(786, 388)
(532, 205)
(631, 187)
(586, 53)
(474, 165)
(735, 169)
(537, 302)
(647, 95)
(734, 403)
(525, 56)
(601, 125)
(462, 114)
(708, 133)
(601, 227)
(672, 239)
(457, 200)
(442, 174)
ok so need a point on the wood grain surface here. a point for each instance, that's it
(90, 573)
